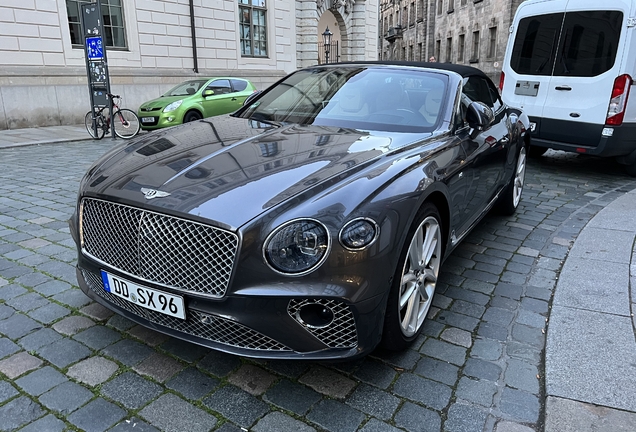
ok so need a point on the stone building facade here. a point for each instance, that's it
(149, 47)
(470, 32)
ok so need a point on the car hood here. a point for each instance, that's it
(160, 102)
(229, 170)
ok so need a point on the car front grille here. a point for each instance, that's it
(340, 333)
(165, 250)
(197, 323)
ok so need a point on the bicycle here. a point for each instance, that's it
(125, 121)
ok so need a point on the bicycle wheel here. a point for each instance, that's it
(126, 123)
(88, 122)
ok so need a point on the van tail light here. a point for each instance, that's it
(502, 77)
(618, 102)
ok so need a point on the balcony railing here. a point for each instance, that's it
(393, 33)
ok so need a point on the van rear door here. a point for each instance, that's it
(587, 61)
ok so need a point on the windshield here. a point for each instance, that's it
(380, 98)
(186, 89)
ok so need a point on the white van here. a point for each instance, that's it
(569, 65)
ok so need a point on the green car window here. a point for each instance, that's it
(186, 88)
(239, 85)
(220, 87)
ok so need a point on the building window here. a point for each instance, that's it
(403, 53)
(411, 56)
(451, 6)
(253, 28)
(405, 17)
(474, 58)
(449, 50)
(438, 48)
(440, 6)
(412, 14)
(420, 51)
(492, 45)
(460, 49)
(113, 18)
(420, 10)
(462, 3)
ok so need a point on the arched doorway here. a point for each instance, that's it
(329, 20)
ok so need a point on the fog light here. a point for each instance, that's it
(170, 118)
(314, 315)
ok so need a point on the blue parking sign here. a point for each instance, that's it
(94, 48)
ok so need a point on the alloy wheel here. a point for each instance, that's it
(520, 175)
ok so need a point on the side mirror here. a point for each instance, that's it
(207, 93)
(248, 100)
(479, 116)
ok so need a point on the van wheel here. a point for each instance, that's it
(511, 196)
(414, 281)
(535, 152)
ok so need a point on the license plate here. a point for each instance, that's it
(147, 119)
(533, 126)
(149, 298)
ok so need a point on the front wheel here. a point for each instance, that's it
(511, 196)
(126, 123)
(415, 280)
(192, 116)
(99, 120)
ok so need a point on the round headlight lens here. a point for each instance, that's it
(359, 233)
(297, 247)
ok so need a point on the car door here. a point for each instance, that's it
(241, 90)
(486, 153)
(221, 101)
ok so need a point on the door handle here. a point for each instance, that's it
(233, 98)
(564, 87)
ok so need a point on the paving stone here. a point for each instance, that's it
(531, 319)
(19, 412)
(522, 375)
(52, 287)
(192, 384)
(498, 316)
(236, 405)
(533, 304)
(327, 382)
(6, 312)
(565, 415)
(477, 391)
(506, 426)
(218, 363)
(412, 418)
(158, 367)
(335, 416)
(432, 328)
(184, 350)
(7, 391)
(8, 292)
(482, 369)
(288, 368)
(18, 325)
(66, 397)
(148, 336)
(128, 352)
(7, 348)
(252, 379)
(444, 351)
(492, 331)
(504, 303)
(97, 337)
(279, 422)
(97, 312)
(49, 423)
(134, 424)
(74, 298)
(437, 370)
(520, 405)
(458, 320)
(373, 401)
(465, 418)
(97, 416)
(457, 337)
(93, 371)
(421, 390)
(40, 381)
(120, 323)
(131, 390)
(528, 335)
(32, 279)
(63, 352)
(27, 302)
(73, 324)
(229, 427)
(49, 313)
(467, 295)
(487, 349)
(18, 364)
(441, 301)
(375, 425)
(466, 308)
(375, 373)
(292, 397)
(507, 290)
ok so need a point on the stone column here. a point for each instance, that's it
(306, 33)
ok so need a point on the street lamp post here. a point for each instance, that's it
(326, 38)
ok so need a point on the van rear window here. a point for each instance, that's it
(534, 47)
(588, 43)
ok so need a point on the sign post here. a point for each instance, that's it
(96, 60)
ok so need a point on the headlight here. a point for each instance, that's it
(297, 247)
(173, 106)
(359, 233)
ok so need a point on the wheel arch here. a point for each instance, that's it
(439, 200)
(189, 110)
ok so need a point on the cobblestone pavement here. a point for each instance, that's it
(67, 363)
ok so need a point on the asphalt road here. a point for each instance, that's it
(68, 363)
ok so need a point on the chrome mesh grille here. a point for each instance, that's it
(162, 249)
(197, 323)
(341, 333)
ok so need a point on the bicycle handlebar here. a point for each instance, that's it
(112, 96)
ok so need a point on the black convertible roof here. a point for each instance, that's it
(462, 70)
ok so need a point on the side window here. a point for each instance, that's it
(535, 43)
(238, 85)
(476, 88)
(494, 96)
(220, 87)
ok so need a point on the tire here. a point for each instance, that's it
(509, 201)
(192, 116)
(126, 123)
(414, 282)
(88, 122)
(535, 152)
(631, 169)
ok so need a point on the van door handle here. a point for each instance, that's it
(566, 88)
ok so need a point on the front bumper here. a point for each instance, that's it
(159, 119)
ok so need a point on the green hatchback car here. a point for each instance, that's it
(193, 100)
